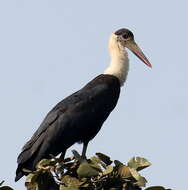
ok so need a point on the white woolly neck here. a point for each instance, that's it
(119, 65)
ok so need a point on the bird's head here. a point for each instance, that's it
(124, 38)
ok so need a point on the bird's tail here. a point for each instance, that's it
(19, 173)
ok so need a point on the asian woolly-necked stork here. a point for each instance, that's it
(79, 117)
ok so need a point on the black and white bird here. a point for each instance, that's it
(80, 116)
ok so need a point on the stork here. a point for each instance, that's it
(80, 116)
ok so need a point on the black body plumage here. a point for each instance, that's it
(77, 118)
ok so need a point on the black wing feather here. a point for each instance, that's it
(78, 117)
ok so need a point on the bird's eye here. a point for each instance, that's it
(125, 36)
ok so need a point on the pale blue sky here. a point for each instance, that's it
(51, 48)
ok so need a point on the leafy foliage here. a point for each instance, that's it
(96, 173)
(4, 187)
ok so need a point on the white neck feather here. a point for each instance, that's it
(119, 66)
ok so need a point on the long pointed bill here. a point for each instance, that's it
(138, 52)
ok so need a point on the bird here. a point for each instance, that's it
(80, 116)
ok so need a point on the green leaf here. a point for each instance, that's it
(108, 170)
(140, 181)
(68, 188)
(6, 188)
(124, 171)
(98, 161)
(104, 158)
(70, 181)
(138, 163)
(31, 178)
(95, 165)
(84, 184)
(44, 162)
(156, 188)
(30, 186)
(95, 159)
(85, 170)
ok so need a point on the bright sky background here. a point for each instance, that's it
(51, 48)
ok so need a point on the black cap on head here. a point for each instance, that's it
(126, 38)
(125, 33)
